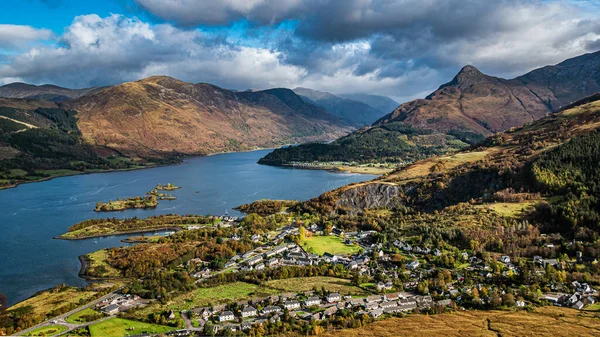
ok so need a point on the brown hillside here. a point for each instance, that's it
(473, 101)
(164, 115)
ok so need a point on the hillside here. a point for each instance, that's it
(38, 140)
(556, 156)
(355, 112)
(161, 115)
(47, 92)
(484, 104)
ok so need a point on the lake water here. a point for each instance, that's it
(32, 214)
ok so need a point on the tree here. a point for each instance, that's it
(508, 299)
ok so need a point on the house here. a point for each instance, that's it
(413, 265)
(388, 304)
(255, 237)
(391, 297)
(246, 326)
(376, 313)
(259, 266)
(171, 314)
(505, 259)
(112, 309)
(330, 311)
(520, 304)
(333, 297)
(271, 309)
(374, 298)
(254, 260)
(312, 301)
(371, 305)
(226, 316)
(273, 262)
(590, 300)
(291, 305)
(249, 312)
(578, 305)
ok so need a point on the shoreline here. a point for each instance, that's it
(333, 169)
(134, 231)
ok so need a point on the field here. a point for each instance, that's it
(45, 302)
(118, 327)
(49, 330)
(547, 321)
(98, 267)
(210, 296)
(328, 244)
(78, 316)
(333, 284)
(509, 209)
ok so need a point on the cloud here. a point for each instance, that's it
(401, 48)
(96, 51)
(17, 36)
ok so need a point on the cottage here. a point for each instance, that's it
(374, 298)
(333, 297)
(376, 313)
(505, 259)
(291, 305)
(312, 301)
(391, 297)
(388, 304)
(249, 311)
(330, 311)
(226, 316)
(578, 305)
(371, 305)
(112, 309)
(254, 260)
(271, 309)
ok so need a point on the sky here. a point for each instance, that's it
(403, 49)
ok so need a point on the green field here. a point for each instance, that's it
(328, 244)
(78, 316)
(300, 284)
(226, 293)
(49, 330)
(118, 327)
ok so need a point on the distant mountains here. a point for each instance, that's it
(47, 92)
(381, 103)
(468, 108)
(354, 111)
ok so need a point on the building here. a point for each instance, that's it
(291, 305)
(226, 316)
(249, 312)
(333, 297)
(312, 301)
(413, 265)
(271, 309)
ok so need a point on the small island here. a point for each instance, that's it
(111, 226)
(167, 187)
(149, 201)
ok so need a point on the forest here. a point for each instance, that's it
(392, 142)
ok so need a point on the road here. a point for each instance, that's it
(61, 320)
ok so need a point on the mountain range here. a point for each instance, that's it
(354, 111)
(468, 108)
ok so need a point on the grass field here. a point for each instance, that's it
(226, 293)
(328, 244)
(99, 267)
(547, 321)
(49, 330)
(118, 327)
(309, 283)
(78, 317)
(509, 209)
(44, 302)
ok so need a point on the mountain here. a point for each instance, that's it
(469, 107)
(479, 103)
(39, 140)
(382, 103)
(46, 92)
(160, 115)
(355, 112)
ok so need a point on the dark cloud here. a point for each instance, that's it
(400, 48)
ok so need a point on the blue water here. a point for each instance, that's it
(32, 214)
